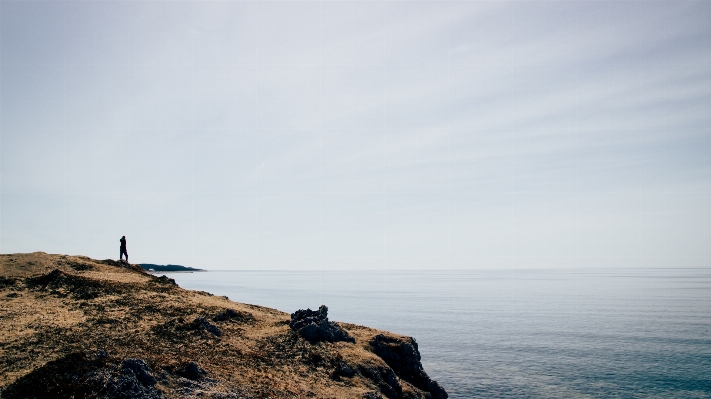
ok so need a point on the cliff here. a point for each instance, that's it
(74, 327)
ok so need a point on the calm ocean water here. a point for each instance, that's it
(642, 333)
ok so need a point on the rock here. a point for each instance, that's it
(166, 280)
(403, 356)
(385, 379)
(343, 369)
(314, 326)
(191, 371)
(127, 386)
(79, 376)
(372, 395)
(140, 369)
(201, 323)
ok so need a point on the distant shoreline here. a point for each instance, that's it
(152, 268)
(174, 271)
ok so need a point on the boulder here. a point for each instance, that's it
(140, 369)
(344, 369)
(385, 379)
(166, 280)
(314, 326)
(403, 356)
(191, 371)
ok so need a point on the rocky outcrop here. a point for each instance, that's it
(403, 356)
(166, 280)
(191, 371)
(385, 379)
(134, 380)
(79, 328)
(343, 369)
(314, 326)
(80, 376)
(138, 369)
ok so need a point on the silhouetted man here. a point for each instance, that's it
(123, 249)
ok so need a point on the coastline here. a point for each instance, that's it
(111, 324)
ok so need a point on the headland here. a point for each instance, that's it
(150, 267)
(75, 327)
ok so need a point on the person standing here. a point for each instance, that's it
(123, 249)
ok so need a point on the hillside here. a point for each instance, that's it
(81, 328)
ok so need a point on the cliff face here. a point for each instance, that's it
(74, 327)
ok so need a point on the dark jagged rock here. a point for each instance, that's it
(372, 395)
(166, 280)
(403, 356)
(314, 326)
(385, 379)
(79, 376)
(140, 369)
(134, 381)
(191, 371)
(201, 323)
(343, 369)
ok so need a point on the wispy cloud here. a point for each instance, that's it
(471, 133)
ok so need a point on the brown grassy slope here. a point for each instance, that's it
(52, 325)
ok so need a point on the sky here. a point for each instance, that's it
(358, 134)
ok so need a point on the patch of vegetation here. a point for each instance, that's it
(61, 284)
(66, 377)
(7, 281)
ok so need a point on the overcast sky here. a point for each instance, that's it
(352, 135)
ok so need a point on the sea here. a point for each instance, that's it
(604, 333)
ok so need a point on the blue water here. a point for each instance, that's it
(517, 334)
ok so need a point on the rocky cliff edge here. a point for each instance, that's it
(75, 327)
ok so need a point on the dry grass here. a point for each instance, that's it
(98, 305)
